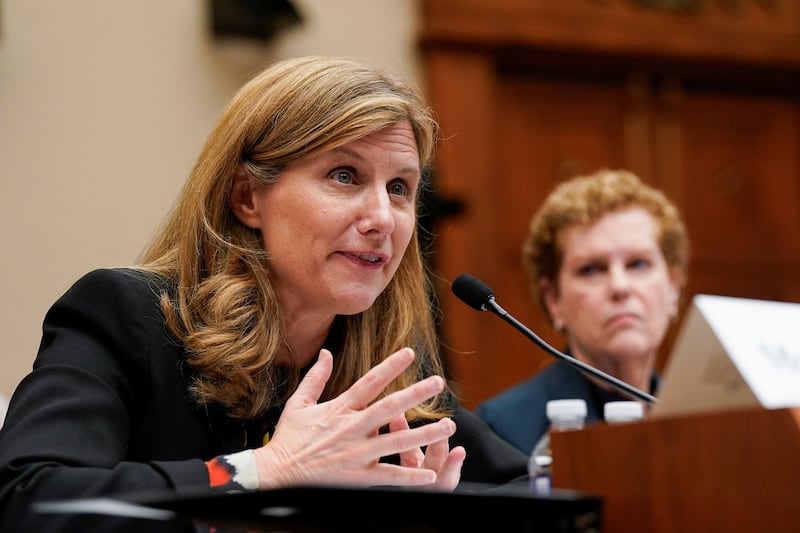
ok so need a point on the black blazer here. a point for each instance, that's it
(106, 411)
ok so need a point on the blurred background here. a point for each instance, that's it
(104, 104)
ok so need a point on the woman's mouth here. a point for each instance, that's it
(367, 259)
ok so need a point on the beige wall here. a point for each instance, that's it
(103, 106)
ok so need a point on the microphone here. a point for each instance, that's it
(478, 295)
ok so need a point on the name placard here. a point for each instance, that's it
(733, 353)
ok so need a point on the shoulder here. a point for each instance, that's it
(531, 391)
(108, 307)
(557, 380)
(125, 290)
(107, 333)
(129, 281)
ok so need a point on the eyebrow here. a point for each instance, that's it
(594, 256)
(414, 171)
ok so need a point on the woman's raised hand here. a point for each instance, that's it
(338, 442)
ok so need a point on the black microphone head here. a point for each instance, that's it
(472, 291)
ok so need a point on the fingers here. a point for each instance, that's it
(412, 458)
(347, 429)
(371, 384)
(449, 474)
(394, 475)
(399, 402)
(437, 457)
(361, 395)
(436, 454)
(310, 388)
(403, 441)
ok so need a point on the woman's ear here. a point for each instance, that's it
(243, 200)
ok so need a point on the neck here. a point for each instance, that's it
(305, 338)
(635, 371)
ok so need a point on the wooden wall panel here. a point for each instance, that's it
(702, 103)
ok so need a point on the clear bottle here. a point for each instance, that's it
(623, 411)
(563, 415)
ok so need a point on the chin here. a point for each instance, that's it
(354, 306)
(631, 347)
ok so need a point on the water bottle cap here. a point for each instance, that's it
(566, 409)
(623, 411)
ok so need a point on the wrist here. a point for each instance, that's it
(269, 468)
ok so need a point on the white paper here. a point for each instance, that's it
(733, 353)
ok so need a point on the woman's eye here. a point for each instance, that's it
(343, 176)
(399, 188)
(638, 264)
(588, 270)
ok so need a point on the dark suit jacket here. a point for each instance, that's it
(105, 411)
(518, 413)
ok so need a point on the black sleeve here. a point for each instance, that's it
(489, 458)
(70, 421)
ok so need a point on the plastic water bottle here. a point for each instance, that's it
(623, 411)
(563, 415)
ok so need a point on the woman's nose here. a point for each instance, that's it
(619, 279)
(376, 213)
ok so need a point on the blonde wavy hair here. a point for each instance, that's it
(222, 304)
(584, 199)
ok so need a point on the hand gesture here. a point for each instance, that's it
(339, 441)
